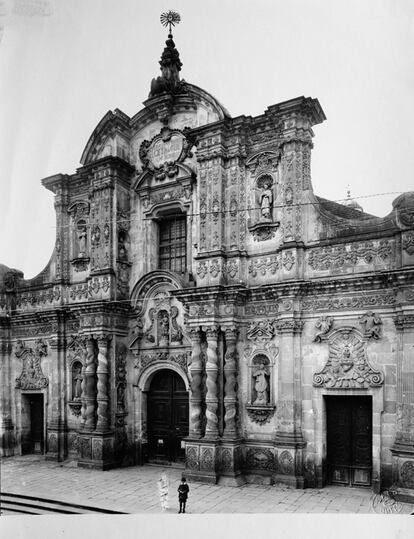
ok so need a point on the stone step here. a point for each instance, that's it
(34, 505)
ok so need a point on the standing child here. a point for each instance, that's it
(183, 494)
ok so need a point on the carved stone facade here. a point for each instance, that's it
(192, 252)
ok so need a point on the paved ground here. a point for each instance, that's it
(134, 490)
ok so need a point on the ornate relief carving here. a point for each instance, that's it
(285, 465)
(201, 269)
(288, 261)
(261, 331)
(260, 414)
(347, 366)
(325, 258)
(407, 474)
(120, 377)
(324, 325)
(263, 308)
(264, 266)
(347, 302)
(258, 458)
(289, 326)
(207, 459)
(31, 376)
(191, 458)
(408, 243)
(182, 359)
(372, 323)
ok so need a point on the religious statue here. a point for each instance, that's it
(261, 385)
(81, 241)
(164, 328)
(266, 200)
(77, 383)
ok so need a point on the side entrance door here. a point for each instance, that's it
(349, 440)
(32, 423)
(167, 410)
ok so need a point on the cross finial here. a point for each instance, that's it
(170, 18)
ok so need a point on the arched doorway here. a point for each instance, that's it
(167, 412)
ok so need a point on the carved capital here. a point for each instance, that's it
(211, 332)
(231, 333)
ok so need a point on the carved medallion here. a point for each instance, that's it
(347, 366)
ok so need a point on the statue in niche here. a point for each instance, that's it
(266, 200)
(81, 236)
(163, 328)
(176, 333)
(260, 374)
(76, 381)
(122, 248)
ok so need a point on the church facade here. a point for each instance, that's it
(202, 305)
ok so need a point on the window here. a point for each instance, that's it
(172, 244)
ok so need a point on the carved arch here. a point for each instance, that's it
(145, 377)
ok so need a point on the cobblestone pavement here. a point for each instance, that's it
(134, 490)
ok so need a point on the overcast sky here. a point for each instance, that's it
(65, 63)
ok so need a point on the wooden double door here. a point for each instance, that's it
(349, 440)
(167, 412)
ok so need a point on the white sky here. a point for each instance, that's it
(65, 63)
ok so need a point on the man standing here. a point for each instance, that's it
(183, 494)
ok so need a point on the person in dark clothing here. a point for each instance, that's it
(183, 494)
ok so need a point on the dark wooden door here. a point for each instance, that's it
(349, 440)
(167, 409)
(36, 423)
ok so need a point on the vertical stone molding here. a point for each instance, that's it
(90, 385)
(83, 385)
(6, 424)
(102, 385)
(230, 376)
(211, 383)
(196, 373)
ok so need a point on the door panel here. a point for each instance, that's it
(349, 440)
(167, 416)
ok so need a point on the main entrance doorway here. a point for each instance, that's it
(349, 440)
(32, 423)
(167, 410)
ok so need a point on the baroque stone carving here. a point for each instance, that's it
(408, 243)
(207, 459)
(348, 302)
(31, 376)
(191, 458)
(258, 458)
(286, 463)
(264, 265)
(326, 258)
(323, 324)
(288, 261)
(149, 358)
(407, 474)
(261, 331)
(260, 414)
(372, 325)
(347, 366)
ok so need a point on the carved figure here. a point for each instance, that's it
(163, 327)
(266, 200)
(77, 382)
(261, 385)
(81, 240)
(372, 324)
(176, 333)
(324, 324)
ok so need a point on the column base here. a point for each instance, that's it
(96, 450)
(289, 459)
(56, 446)
(8, 439)
(403, 471)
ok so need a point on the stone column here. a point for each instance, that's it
(230, 376)
(83, 385)
(90, 385)
(289, 440)
(196, 373)
(56, 408)
(6, 425)
(102, 386)
(211, 383)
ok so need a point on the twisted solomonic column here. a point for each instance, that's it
(89, 386)
(230, 376)
(196, 369)
(211, 383)
(102, 386)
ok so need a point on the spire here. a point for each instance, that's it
(169, 81)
